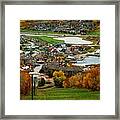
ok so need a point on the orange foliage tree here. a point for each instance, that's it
(73, 81)
(90, 79)
(25, 82)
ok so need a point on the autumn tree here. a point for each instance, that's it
(73, 81)
(90, 79)
(58, 77)
(25, 82)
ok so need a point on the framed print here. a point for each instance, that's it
(59, 59)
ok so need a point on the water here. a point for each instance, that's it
(74, 40)
(88, 61)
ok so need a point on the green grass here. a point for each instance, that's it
(94, 33)
(97, 33)
(28, 30)
(64, 94)
(48, 39)
(43, 32)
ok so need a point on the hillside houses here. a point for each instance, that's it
(63, 26)
(39, 49)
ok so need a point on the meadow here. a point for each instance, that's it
(64, 94)
(47, 39)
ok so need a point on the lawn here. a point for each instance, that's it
(43, 32)
(48, 39)
(64, 94)
(94, 33)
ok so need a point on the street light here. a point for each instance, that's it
(33, 73)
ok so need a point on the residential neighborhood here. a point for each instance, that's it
(66, 47)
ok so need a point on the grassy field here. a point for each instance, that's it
(64, 94)
(43, 32)
(94, 33)
(48, 39)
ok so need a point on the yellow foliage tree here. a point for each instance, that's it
(58, 77)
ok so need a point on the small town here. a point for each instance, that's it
(59, 59)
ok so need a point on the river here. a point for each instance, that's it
(89, 60)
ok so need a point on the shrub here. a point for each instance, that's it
(41, 82)
(50, 73)
(58, 82)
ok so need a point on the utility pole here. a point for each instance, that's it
(33, 87)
